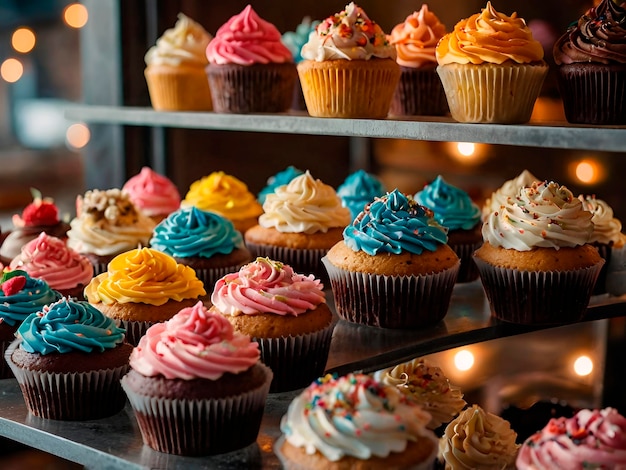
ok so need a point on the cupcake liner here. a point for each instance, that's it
(5, 370)
(605, 253)
(536, 297)
(616, 271)
(491, 93)
(178, 89)
(200, 427)
(468, 271)
(135, 330)
(72, 396)
(419, 93)
(391, 301)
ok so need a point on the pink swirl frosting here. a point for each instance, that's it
(50, 259)
(194, 343)
(152, 193)
(267, 286)
(247, 39)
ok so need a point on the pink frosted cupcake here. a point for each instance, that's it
(153, 194)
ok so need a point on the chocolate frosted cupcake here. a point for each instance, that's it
(358, 190)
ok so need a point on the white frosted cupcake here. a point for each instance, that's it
(509, 188)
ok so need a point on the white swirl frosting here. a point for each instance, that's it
(510, 188)
(606, 228)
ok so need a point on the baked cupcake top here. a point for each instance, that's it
(191, 232)
(416, 38)
(590, 439)
(607, 229)
(294, 40)
(107, 223)
(144, 275)
(348, 35)
(184, 44)
(279, 179)
(599, 36)
(426, 384)
(453, 208)
(394, 223)
(510, 188)
(194, 344)
(304, 205)
(542, 215)
(66, 326)
(359, 189)
(50, 259)
(353, 416)
(152, 193)
(247, 39)
(489, 37)
(21, 295)
(267, 286)
(478, 439)
(224, 194)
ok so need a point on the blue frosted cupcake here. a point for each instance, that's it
(279, 179)
(358, 189)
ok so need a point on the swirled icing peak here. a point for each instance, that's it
(453, 207)
(279, 179)
(191, 232)
(194, 344)
(593, 439)
(67, 326)
(544, 215)
(32, 296)
(184, 44)
(294, 40)
(353, 416)
(247, 39)
(416, 38)
(144, 275)
(510, 188)
(478, 439)
(304, 205)
(359, 189)
(349, 35)
(41, 212)
(394, 223)
(267, 286)
(598, 36)
(606, 227)
(152, 193)
(489, 37)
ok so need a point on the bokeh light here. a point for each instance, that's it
(23, 40)
(583, 365)
(75, 15)
(77, 136)
(11, 70)
(464, 360)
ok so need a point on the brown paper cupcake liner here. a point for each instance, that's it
(419, 93)
(135, 330)
(468, 271)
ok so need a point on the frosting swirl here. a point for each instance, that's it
(267, 286)
(305, 205)
(544, 215)
(152, 193)
(144, 276)
(279, 179)
(510, 188)
(452, 206)
(606, 228)
(247, 39)
(359, 189)
(15, 306)
(489, 37)
(191, 232)
(67, 326)
(416, 38)
(392, 224)
(294, 40)
(590, 439)
(194, 344)
(348, 35)
(478, 439)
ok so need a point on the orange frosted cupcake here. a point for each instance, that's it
(153, 194)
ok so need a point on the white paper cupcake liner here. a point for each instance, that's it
(305, 261)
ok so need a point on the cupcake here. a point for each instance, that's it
(454, 209)
(590, 439)
(250, 70)
(478, 439)
(20, 295)
(359, 189)
(491, 68)
(285, 312)
(355, 421)
(175, 68)
(591, 66)
(50, 259)
(279, 179)
(141, 287)
(301, 221)
(202, 240)
(509, 188)
(196, 386)
(349, 68)
(107, 223)
(294, 40)
(227, 196)
(419, 91)
(68, 359)
(536, 264)
(153, 194)
(428, 386)
(393, 268)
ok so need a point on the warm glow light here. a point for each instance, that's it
(23, 40)
(75, 15)
(583, 366)
(466, 149)
(463, 360)
(11, 70)
(77, 136)
(587, 171)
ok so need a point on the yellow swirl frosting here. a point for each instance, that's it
(144, 276)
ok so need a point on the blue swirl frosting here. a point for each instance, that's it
(279, 179)
(392, 224)
(67, 326)
(453, 207)
(36, 293)
(294, 40)
(191, 232)
(359, 189)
